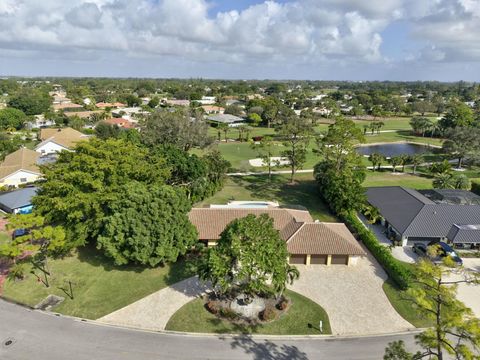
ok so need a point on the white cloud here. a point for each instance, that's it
(313, 32)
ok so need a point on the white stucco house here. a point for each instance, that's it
(56, 140)
(20, 167)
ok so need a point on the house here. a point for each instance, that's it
(120, 122)
(67, 106)
(212, 109)
(20, 167)
(56, 140)
(83, 114)
(207, 100)
(131, 113)
(104, 105)
(308, 242)
(18, 201)
(174, 102)
(231, 120)
(38, 122)
(428, 215)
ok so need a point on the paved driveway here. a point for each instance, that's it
(352, 296)
(153, 311)
(470, 294)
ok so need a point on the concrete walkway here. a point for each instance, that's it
(352, 296)
(154, 311)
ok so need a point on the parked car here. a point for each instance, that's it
(446, 250)
(419, 249)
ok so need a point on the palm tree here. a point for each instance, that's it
(415, 160)
(462, 182)
(404, 160)
(376, 160)
(395, 161)
(435, 128)
(379, 125)
(224, 127)
(444, 181)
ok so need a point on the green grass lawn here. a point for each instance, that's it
(257, 187)
(405, 308)
(387, 178)
(99, 287)
(193, 317)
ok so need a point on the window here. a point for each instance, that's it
(23, 179)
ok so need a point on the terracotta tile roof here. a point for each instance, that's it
(22, 159)
(123, 123)
(83, 114)
(66, 137)
(66, 106)
(324, 238)
(211, 222)
(296, 227)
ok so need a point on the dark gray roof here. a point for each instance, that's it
(464, 234)
(225, 118)
(398, 205)
(414, 215)
(452, 196)
(17, 199)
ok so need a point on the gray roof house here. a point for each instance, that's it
(426, 215)
(229, 119)
(18, 201)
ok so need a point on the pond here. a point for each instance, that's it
(390, 150)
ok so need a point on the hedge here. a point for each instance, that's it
(476, 186)
(397, 271)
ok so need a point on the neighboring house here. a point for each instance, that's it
(308, 242)
(56, 140)
(428, 215)
(131, 113)
(231, 120)
(38, 122)
(20, 167)
(66, 107)
(83, 114)
(212, 109)
(207, 100)
(104, 105)
(120, 122)
(18, 201)
(174, 102)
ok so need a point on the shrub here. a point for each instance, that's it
(476, 186)
(267, 314)
(213, 306)
(282, 304)
(397, 271)
(16, 272)
(228, 313)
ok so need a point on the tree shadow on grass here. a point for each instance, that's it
(267, 350)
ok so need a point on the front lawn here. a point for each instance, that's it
(99, 287)
(405, 308)
(193, 317)
(257, 187)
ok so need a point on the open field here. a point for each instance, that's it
(387, 178)
(193, 317)
(99, 287)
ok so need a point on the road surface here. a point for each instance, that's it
(27, 334)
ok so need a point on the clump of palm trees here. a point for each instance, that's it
(373, 127)
(402, 160)
(445, 178)
(422, 125)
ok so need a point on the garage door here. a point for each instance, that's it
(339, 259)
(318, 259)
(297, 259)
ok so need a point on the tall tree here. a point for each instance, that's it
(376, 160)
(178, 128)
(461, 143)
(79, 186)
(250, 255)
(295, 133)
(458, 115)
(31, 101)
(11, 118)
(148, 225)
(266, 150)
(456, 331)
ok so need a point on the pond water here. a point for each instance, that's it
(390, 150)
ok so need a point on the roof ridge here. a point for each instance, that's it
(296, 232)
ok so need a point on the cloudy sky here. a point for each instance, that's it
(243, 39)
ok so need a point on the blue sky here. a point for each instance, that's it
(243, 39)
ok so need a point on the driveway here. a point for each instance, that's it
(153, 311)
(467, 293)
(352, 296)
